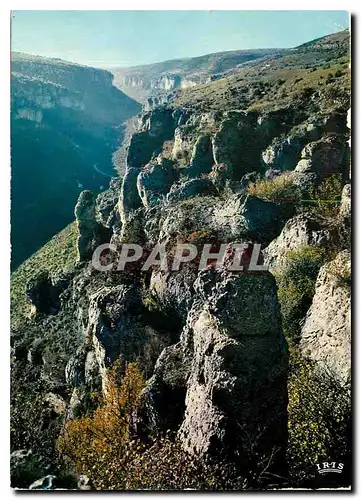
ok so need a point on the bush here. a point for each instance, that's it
(296, 287)
(98, 445)
(281, 188)
(327, 197)
(319, 419)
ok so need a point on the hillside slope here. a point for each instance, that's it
(66, 121)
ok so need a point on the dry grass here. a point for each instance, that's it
(280, 188)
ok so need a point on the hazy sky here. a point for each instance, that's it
(128, 38)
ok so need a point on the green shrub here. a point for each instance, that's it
(319, 419)
(296, 286)
(327, 197)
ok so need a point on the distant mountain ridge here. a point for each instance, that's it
(143, 81)
(157, 80)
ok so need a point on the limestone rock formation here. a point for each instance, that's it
(297, 232)
(228, 371)
(282, 155)
(209, 342)
(228, 391)
(163, 400)
(233, 144)
(324, 157)
(248, 217)
(189, 189)
(154, 181)
(326, 334)
(202, 157)
(88, 228)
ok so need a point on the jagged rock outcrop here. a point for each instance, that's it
(115, 329)
(248, 217)
(282, 155)
(189, 189)
(105, 206)
(234, 143)
(202, 157)
(163, 400)
(235, 368)
(326, 334)
(297, 232)
(90, 232)
(324, 157)
(154, 181)
(155, 128)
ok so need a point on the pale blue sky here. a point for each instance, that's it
(129, 38)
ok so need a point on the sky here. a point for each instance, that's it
(129, 38)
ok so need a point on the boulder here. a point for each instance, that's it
(326, 334)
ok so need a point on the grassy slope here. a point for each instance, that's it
(56, 255)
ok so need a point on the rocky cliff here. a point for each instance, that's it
(210, 342)
(66, 120)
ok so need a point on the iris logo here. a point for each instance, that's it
(327, 467)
